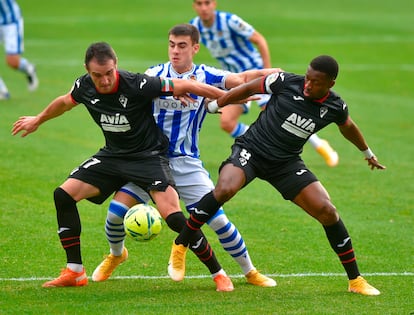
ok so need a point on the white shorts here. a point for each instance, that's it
(12, 37)
(191, 178)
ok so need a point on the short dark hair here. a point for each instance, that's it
(326, 64)
(101, 51)
(186, 30)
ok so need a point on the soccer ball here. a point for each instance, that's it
(142, 222)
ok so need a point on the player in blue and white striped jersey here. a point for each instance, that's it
(182, 125)
(238, 47)
(233, 42)
(11, 34)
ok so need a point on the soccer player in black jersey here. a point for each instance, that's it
(233, 42)
(270, 150)
(120, 103)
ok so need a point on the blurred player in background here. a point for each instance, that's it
(232, 42)
(182, 124)
(11, 35)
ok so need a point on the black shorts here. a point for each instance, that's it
(109, 174)
(288, 177)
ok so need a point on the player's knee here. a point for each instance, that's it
(13, 61)
(62, 199)
(176, 221)
(327, 214)
(228, 125)
(224, 192)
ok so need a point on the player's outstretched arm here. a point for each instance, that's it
(236, 95)
(352, 133)
(182, 87)
(57, 107)
(235, 79)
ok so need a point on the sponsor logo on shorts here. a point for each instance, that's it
(244, 157)
(301, 172)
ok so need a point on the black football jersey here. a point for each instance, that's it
(125, 116)
(289, 118)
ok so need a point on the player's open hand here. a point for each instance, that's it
(185, 99)
(373, 163)
(28, 124)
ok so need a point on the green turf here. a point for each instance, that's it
(374, 43)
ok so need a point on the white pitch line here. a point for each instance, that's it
(292, 275)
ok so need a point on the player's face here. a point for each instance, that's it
(181, 51)
(205, 10)
(317, 84)
(103, 75)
